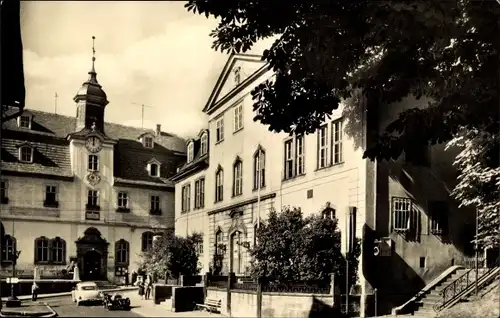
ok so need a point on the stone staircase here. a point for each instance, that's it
(425, 306)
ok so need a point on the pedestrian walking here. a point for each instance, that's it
(148, 287)
(34, 291)
(141, 289)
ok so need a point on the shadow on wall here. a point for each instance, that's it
(353, 113)
(395, 280)
(319, 310)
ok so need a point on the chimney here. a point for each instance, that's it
(158, 129)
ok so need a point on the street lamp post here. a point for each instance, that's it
(13, 301)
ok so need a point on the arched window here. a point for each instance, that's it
(237, 177)
(190, 152)
(219, 239)
(259, 168)
(219, 184)
(8, 249)
(42, 250)
(328, 213)
(122, 252)
(236, 253)
(58, 250)
(204, 144)
(147, 241)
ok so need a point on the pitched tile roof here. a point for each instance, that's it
(48, 135)
(200, 161)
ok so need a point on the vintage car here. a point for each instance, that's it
(115, 302)
(85, 292)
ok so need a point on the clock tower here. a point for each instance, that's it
(91, 101)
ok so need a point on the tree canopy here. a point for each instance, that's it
(326, 51)
(291, 248)
(173, 255)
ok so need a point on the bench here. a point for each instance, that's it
(211, 305)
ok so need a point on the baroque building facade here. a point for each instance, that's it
(82, 191)
(236, 171)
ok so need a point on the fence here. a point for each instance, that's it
(245, 297)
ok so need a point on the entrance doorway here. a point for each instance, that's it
(92, 266)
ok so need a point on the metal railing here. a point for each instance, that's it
(456, 288)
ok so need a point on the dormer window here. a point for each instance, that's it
(148, 142)
(25, 121)
(204, 144)
(154, 168)
(190, 152)
(26, 154)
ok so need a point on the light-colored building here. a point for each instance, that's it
(405, 200)
(78, 190)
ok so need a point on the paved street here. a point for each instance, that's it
(66, 308)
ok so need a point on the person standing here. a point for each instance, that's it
(140, 284)
(126, 278)
(148, 287)
(34, 291)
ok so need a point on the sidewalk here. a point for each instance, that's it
(147, 308)
(41, 296)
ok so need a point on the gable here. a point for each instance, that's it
(243, 64)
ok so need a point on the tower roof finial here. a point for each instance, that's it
(92, 72)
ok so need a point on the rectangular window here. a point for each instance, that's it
(123, 200)
(155, 204)
(3, 191)
(204, 144)
(219, 133)
(190, 152)
(337, 141)
(299, 141)
(186, 197)
(238, 117)
(50, 195)
(403, 214)
(93, 163)
(323, 146)
(148, 142)
(24, 122)
(92, 212)
(289, 162)
(259, 169)
(238, 179)
(199, 193)
(202, 193)
(438, 214)
(26, 154)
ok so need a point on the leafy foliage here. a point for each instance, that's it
(292, 248)
(326, 50)
(172, 255)
(479, 181)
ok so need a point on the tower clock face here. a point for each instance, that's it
(93, 144)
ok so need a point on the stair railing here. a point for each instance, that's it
(464, 282)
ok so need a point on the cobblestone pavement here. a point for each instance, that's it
(66, 308)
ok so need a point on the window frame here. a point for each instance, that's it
(122, 247)
(438, 219)
(146, 241)
(51, 189)
(238, 117)
(398, 206)
(21, 155)
(186, 198)
(149, 142)
(8, 250)
(4, 191)
(203, 144)
(219, 129)
(300, 155)
(28, 120)
(322, 144)
(329, 213)
(219, 184)
(337, 141)
(289, 157)
(93, 163)
(237, 177)
(259, 168)
(57, 244)
(94, 194)
(45, 250)
(121, 197)
(157, 175)
(219, 239)
(155, 204)
(190, 152)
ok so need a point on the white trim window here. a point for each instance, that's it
(238, 117)
(50, 194)
(323, 146)
(93, 163)
(26, 154)
(219, 129)
(337, 156)
(219, 185)
(259, 165)
(190, 152)
(300, 154)
(93, 198)
(154, 170)
(203, 144)
(238, 178)
(122, 200)
(199, 193)
(289, 159)
(148, 142)
(186, 198)
(404, 215)
(25, 121)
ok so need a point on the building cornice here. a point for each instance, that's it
(190, 170)
(39, 175)
(242, 203)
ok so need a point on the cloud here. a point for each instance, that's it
(170, 68)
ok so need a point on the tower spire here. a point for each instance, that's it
(92, 72)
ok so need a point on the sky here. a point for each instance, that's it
(152, 53)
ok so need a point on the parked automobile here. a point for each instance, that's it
(86, 292)
(115, 302)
